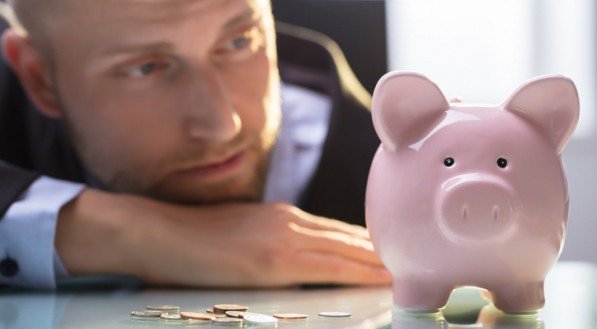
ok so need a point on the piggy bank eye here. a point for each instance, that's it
(448, 162)
(502, 163)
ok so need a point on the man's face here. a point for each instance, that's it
(174, 99)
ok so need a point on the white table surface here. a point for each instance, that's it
(571, 303)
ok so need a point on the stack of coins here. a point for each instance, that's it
(225, 314)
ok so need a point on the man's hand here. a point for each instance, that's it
(229, 245)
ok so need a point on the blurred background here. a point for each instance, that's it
(479, 50)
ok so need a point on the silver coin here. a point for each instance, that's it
(335, 314)
(164, 308)
(260, 319)
(227, 321)
(146, 314)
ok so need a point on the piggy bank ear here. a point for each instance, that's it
(551, 104)
(405, 107)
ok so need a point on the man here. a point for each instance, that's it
(158, 148)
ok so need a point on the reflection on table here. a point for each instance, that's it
(571, 303)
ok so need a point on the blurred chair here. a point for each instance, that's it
(358, 26)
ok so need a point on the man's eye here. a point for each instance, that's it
(239, 43)
(247, 43)
(146, 69)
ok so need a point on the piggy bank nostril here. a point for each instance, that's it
(495, 212)
(465, 211)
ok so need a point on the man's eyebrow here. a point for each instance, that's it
(143, 48)
(240, 20)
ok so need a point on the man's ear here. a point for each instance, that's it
(405, 107)
(551, 104)
(33, 72)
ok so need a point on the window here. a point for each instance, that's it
(481, 50)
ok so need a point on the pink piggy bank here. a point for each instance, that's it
(469, 195)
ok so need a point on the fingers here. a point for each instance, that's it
(338, 243)
(316, 222)
(331, 268)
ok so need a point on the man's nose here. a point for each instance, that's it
(211, 113)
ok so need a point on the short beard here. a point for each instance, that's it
(251, 190)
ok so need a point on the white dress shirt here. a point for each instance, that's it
(28, 228)
(304, 127)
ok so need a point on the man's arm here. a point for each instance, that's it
(231, 245)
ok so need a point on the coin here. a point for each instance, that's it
(227, 321)
(196, 316)
(260, 319)
(164, 308)
(235, 314)
(170, 316)
(146, 314)
(210, 310)
(290, 316)
(335, 314)
(222, 308)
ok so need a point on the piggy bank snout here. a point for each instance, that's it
(476, 207)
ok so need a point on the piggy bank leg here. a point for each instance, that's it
(420, 296)
(519, 298)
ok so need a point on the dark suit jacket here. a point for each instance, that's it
(33, 145)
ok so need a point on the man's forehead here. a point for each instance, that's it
(235, 22)
(46, 14)
(116, 30)
(114, 25)
(67, 13)
(154, 9)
